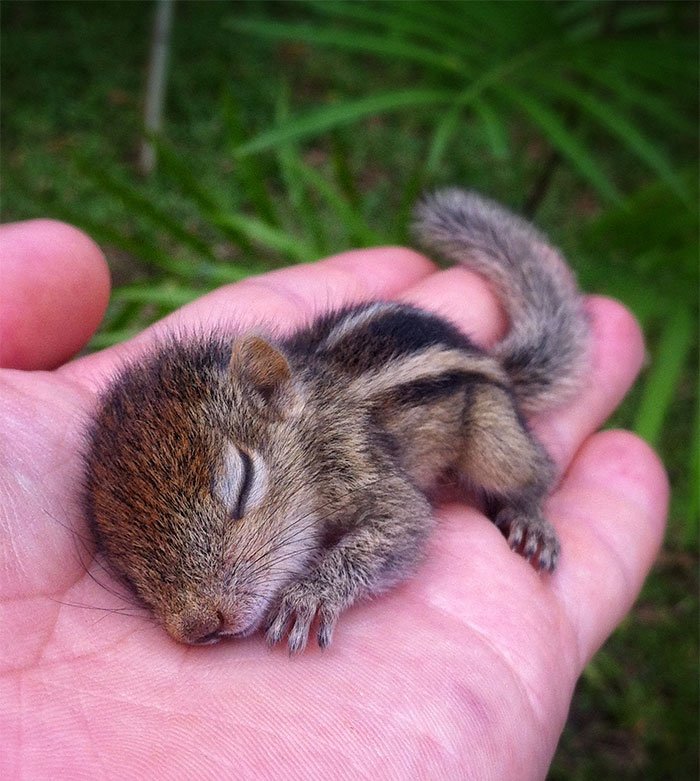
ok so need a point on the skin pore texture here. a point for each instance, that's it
(467, 670)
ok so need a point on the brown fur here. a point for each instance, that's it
(256, 482)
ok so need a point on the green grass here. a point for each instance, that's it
(298, 129)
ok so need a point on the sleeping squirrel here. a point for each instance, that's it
(247, 482)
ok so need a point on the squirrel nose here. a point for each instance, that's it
(202, 629)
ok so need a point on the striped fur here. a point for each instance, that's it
(261, 482)
(544, 351)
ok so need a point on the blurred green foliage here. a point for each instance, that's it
(294, 130)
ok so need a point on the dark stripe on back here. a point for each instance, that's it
(306, 340)
(430, 389)
(398, 331)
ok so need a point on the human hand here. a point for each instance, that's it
(465, 671)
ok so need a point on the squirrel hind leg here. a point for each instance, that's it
(501, 457)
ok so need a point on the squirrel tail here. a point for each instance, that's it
(545, 351)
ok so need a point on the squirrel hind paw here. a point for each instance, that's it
(532, 536)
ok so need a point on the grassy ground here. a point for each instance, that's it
(72, 84)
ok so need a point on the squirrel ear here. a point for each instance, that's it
(261, 365)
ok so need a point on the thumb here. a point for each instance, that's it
(54, 292)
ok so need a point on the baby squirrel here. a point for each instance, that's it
(247, 482)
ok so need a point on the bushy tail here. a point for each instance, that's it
(545, 350)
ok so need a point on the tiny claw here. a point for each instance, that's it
(277, 627)
(516, 535)
(299, 635)
(295, 646)
(530, 548)
(325, 630)
(272, 637)
(549, 556)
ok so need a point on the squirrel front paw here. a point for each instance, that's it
(299, 604)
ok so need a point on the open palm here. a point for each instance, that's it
(465, 671)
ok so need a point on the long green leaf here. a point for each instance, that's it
(332, 116)
(442, 136)
(141, 248)
(662, 380)
(104, 339)
(392, 21)
(266, 235)
(692, 527)
(172, 296)
(119, 315)
(563, 140)
(494, 129)
(215, 213)
(416, 184)
(144, 207)
(633, 95)
(353, 41)
(189, 184)
(288, 159)
(209, 207)
(343, 169)
(236, 227)
(630, 16)
(630, 135)
(489, 29)
(247, 172)
(199, 271)
(663, 62)
(358, 230)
